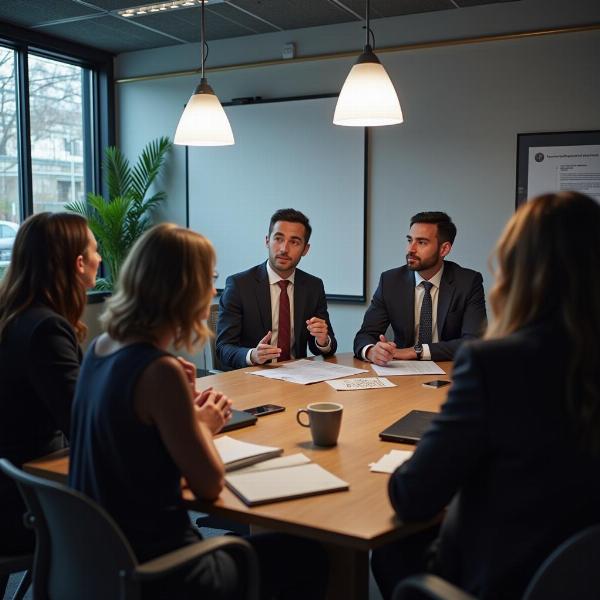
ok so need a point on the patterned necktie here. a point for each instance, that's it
(426, 318)
(283, 335)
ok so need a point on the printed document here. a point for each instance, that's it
(360, 383)
(408, 367)
(307, 371)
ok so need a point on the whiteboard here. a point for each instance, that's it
(287, 154)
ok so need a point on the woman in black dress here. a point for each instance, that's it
(139, 424)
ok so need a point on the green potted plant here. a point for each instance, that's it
(119, 221)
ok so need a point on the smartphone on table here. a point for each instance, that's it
(438, 383)
(264, 409)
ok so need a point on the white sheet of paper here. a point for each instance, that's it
(360, 383)
(389, 462)
(231, 449)
(408, 367)
(307, 371)
(280, 462)
(273, 485)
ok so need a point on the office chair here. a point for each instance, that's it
(81, 552)
(216, 366)
(571, 571)
(15, 564)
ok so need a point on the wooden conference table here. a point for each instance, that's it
(351, 522)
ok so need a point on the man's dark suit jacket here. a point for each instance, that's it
(245, 314)
(504, 442)
(460, 312)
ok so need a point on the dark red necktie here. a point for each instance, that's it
(283, 335)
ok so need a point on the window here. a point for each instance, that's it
(55, 119)
(9, 158)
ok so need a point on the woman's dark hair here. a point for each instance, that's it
(42, 269)
(548, 267)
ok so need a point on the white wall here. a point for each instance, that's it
(463, 107)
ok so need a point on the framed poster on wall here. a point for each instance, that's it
(551, 162)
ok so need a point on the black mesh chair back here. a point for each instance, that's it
(571, 571)
(82, 553)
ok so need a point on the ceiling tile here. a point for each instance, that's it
(110, 34)
(395, 8)
(227, 11)
(295, 14)
(119, 4)
(35, 12)
(466, 3)
(222, 21)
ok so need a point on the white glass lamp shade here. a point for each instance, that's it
(204, 122)
(368, 97)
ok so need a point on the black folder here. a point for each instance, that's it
(410, 428)
(239, 419)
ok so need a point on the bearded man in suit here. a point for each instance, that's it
(432, 304)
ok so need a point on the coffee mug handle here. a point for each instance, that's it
(300, 411)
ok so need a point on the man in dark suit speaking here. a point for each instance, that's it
(272, 311)
(431, 304)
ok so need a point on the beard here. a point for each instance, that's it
(419, 264)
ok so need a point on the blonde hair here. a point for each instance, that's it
(548, 266)
(164, 284)
(43, 271)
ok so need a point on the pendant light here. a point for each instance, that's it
(203, 122)
(368, 97)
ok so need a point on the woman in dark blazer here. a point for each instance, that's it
(42, 297)
(515, 452)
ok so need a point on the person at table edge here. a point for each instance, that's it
(432, 304)
(254, 325)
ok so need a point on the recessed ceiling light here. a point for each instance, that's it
(141, 10)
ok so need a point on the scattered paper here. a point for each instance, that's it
(360, 383)
(408, 367)
(307, 371)
(389, 462)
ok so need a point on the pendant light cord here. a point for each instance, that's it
(369, 32)
(204, 44)
(367, 19)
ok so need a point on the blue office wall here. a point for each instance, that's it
(463, 107)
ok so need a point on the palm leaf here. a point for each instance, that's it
(118, 172)
(148, 166)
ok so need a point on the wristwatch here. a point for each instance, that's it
(418, 348)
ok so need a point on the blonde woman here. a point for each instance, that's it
(42, 297)
(139, 425)
(515, 451)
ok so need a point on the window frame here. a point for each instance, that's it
(97, 98)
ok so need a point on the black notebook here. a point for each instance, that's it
(410, 428)
(239, 419)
